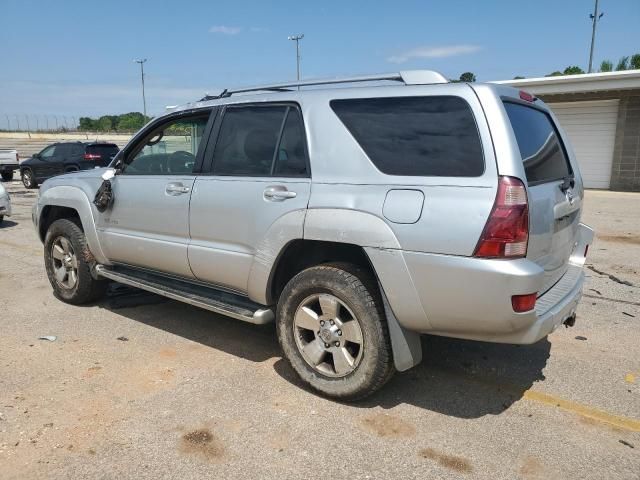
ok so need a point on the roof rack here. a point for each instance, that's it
(408, 77)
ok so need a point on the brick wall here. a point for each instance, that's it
(625, 170)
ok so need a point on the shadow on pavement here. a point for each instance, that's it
(459, 378)
(7, 224)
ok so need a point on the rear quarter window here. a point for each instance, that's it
(415, 136)
(104, 150)
(540, 146)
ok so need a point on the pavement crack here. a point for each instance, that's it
(611, 277)
(609, 299)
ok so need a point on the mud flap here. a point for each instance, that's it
(406, 346)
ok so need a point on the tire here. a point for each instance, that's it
(369, 364)
(7, 176)
(28, 179)
(1, 219)
(70, 244)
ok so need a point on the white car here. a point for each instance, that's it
(5, 203)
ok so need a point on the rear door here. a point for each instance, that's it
(554, 189)
(255, 195)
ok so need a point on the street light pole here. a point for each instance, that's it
(297, 38)
(144, 100)
(594, 20)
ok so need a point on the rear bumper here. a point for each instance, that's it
(8, 167)
(470, 298)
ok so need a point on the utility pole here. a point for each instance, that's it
(595, 17)
(297, 38)
(144, 100)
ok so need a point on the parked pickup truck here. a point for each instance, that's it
(355, 218)
(9, 161)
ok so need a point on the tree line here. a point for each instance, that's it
(126, 122)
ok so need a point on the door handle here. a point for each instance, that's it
(176, 188)
(278, 194)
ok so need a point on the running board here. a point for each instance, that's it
(218, 301)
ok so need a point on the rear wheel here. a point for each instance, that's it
(7, 176)
(332, 329)
(28, 179)
(1, 219)
(69, 273)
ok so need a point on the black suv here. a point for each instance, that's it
(65, 157)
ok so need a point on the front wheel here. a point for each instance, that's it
(28, 180)
(332, 329)
(65, 252)
(7, 175)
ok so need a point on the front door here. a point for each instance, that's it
(254, 197)
(148, 223)
(46, 165)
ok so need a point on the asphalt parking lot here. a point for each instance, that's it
(164, 390)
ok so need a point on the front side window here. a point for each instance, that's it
(540, 148)
(170, 149)
(416, 136)
(261, 141)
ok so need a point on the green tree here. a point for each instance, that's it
(105, 123)
(572, 70)
(518, 77)
(623, 64)
(557, 73)
(468, 77)
(634, 63)
(606, 66)
(87, 124)
(130, 121)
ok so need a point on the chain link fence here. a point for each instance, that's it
(51, 123)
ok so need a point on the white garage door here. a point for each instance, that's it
(591, 127)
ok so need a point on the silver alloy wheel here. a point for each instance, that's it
(65, 263)
(328, 335)
(26, 178)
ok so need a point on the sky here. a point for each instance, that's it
(75, 58)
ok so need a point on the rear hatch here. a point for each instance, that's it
(101, 154)
(555, 200)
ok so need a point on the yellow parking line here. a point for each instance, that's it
(583, 410)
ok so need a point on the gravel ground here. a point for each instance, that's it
(166, 390)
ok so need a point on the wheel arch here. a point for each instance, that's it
(69, 202)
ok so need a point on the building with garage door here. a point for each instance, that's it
(600, 112)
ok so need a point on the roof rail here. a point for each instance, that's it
(408, 77)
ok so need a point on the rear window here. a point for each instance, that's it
(415, 136)
(106, 150)
(540, 146)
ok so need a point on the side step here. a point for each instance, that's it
(225, 303)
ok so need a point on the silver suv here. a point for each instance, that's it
(356, 218)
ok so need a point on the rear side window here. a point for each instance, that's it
(106, 150)
(416, 136)
(261, 141)
(540, 146)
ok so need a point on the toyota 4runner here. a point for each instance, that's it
(356, 218)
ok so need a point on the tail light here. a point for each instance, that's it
(523, 303)
(91, 156)
(507, 230)
(17, 158)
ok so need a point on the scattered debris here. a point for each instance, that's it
(628, 315)
(123, 339)
(580, 337)
(611, 277)
(630, 445)
(50, 338)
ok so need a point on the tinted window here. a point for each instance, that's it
(291, 160)
(64, 150)
(247, 141)
(542, 153)
(48, 152)
(170, 150)
(418, 136)
(104, 150)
